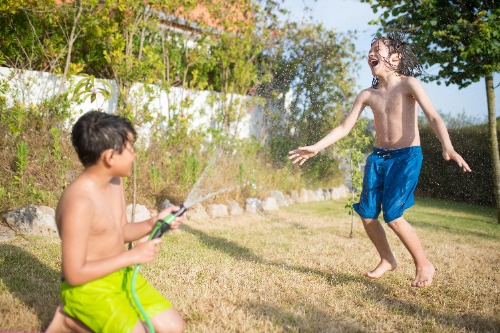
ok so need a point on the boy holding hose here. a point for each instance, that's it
(91, 220)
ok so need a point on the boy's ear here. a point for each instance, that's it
(107, 157)
(395, 58)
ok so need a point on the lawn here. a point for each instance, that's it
(293, 270)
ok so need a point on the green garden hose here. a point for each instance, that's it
(161, 227)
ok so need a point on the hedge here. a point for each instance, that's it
(441, 179)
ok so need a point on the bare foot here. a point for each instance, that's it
(383, 266)
(424, 275)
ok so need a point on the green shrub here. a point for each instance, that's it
(441, 179)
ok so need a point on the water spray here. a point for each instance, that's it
(163, 225)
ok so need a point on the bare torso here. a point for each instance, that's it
(105, 205)
(395, 114)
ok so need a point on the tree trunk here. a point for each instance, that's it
(492, 126)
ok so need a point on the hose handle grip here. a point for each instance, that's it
(164, 224)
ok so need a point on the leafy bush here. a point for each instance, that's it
(441, 179)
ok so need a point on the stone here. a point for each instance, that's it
(6, 233)
(217, 210)
(141, 213)
(252, 205)
(311, 196)
(304, 196)
(269, 204)
(197, 212)
(320, 196)
(164, 205)
(234, 208)
(279, 197)
(32, 220)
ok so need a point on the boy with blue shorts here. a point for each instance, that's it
(91, 220)
(392, 170)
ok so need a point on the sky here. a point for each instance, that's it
(350, 15)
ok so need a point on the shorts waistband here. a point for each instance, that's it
(389, 152)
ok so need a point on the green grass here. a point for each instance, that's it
(294, 270)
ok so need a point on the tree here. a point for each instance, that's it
(462, 37)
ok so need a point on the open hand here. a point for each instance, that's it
(453, 155)
(302, 154)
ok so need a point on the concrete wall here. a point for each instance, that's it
(31, 87)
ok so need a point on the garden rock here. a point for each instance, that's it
(252, 205)
(327, 194)
(32, 220)
(320, 195)
(6, 233)
(311, 196)
(234, 208)
(164, 205)
(304, 196)
(217, 210)
(295, 196)
(197, 212)
(269, 204)
(141, 213)
(279, 197)
(339, 192)
(289, 199)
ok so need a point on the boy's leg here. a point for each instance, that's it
(376, 233)
(168, 321)
(424, 268)
(64, 323)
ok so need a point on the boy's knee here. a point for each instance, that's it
(396, 224)
(368, 221)
(169, 322)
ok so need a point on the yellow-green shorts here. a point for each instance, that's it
(107, 305)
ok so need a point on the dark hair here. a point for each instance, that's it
(408, 63)
(96, 132)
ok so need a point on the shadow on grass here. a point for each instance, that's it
(462, 322)
(452, 230)
(313, 320)
(377, 293)
(30, 281)
(483, 213)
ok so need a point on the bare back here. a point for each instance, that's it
(395, 112)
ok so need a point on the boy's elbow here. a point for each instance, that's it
(74, 278)
(72, 281)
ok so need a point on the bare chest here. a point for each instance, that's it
(106, 233)
(391, 103)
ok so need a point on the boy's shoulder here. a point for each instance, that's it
(77, 191)
(365, 94)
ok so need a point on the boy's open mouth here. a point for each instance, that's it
(373, 63)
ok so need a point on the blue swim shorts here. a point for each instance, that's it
(391, 176)
(106, 304)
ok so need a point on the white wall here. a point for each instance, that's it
(31, 87)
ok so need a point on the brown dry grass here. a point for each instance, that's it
(294, 270)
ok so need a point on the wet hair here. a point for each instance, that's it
(96, 131)
(408, 62)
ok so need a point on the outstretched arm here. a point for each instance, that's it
(302, 154)
(437, 124)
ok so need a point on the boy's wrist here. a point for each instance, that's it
(152, 221)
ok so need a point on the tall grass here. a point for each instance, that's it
(293, 270)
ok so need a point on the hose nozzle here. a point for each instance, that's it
(164, 224)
